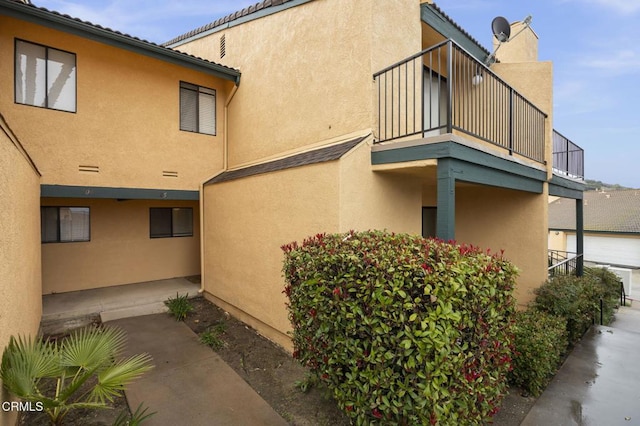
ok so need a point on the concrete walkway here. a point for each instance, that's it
(190, 384)
(599, 383)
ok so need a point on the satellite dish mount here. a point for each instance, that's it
(502, 32)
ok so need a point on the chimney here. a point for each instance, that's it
(523, 48)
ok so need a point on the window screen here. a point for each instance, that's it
(197, 109)
(170, 222)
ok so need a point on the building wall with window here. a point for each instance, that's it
(106, 116)
(314, 85)
(20, 285)
(119, 242)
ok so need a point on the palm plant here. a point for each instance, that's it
(87, 368)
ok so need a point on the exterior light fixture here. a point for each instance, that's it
(477, 79)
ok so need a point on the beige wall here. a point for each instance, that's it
(373, 200)
(20, 285)
(246, 222)
(307, 71)
(499, 219)
(557, 240)
(127, 119)
(120, 250)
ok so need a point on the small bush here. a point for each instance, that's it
(401, 329)
(179, 307)
(540, 342)
(211, 336)
(577, 299)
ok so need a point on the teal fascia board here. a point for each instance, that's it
(67, 191)
(565, 188)
(96, 33)
(435, 20)
(471, 166)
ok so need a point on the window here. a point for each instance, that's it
(170, 222)
(64, 224)
(197, 109)
(45, 77)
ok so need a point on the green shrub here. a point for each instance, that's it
(401, 329)
(179, 307)
(577, 299)
(540, 342)
(211, 336)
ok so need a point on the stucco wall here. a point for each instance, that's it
(499, 219)
(120, 250)
(374, 200)
(20, 285)
(127, 119)
(307, 71)
(246, 222)
(557, 240)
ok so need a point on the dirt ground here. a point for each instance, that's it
(273, 374)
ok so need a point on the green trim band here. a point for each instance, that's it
(68, 191)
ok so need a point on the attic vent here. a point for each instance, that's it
(89, 169)
(166, 173)
(223, 46)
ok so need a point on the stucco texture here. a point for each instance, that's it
(20, 285)
(127, 119)
(121, 250)
(504, 219)
(316, 82)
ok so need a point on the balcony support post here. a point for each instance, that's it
(579, 237)
(446, 198)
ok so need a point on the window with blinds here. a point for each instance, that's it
(170, 222)
(45, 77)
(65, 224)
(197, 109)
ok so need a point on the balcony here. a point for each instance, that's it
(444, 89)
(568, 158)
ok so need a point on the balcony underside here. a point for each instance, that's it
(462, 159)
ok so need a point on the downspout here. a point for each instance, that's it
(225, 166)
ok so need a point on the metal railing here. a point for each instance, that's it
(444, 88)
(568, 158)
(562, 262)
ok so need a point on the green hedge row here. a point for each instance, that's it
(402, 329)
(563, 310)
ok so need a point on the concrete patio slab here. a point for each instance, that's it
(63, 311)
(191, 384)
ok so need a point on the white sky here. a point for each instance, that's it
(594, 46)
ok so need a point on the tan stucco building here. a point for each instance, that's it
(142, 162)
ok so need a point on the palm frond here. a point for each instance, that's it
(25, 361)
(89, 348)
(113, 379)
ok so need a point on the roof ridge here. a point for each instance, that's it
(228, 18)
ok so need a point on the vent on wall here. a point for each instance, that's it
(223, 46)
(89, 169)
(166, 173)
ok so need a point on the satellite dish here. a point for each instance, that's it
(501, 29)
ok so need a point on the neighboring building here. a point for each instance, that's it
(141, 160)
(611, 227)
(370, 114)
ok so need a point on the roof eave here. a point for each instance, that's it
(74, 26)
(439, 21)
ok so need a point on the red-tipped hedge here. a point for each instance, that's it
(402, 329)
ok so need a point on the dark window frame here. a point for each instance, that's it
(58, 238)
(171, 224)
(46, 78)
(197, 89)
